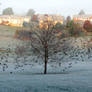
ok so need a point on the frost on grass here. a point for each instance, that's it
(72, 54)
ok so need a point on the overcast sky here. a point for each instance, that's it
(63, 7)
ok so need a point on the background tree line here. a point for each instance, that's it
(10, 11)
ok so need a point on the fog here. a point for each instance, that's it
(63, 7)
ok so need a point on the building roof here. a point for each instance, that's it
(82, 16)
(13, 16)
(56, 17)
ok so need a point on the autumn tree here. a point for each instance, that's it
(44, 41)
(87, 26)
(8, 11)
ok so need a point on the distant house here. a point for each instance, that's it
(55, 18)
(13, 20)
(82, 18)
(50, 17)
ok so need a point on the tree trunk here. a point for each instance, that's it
(46, 60)
(45, 68)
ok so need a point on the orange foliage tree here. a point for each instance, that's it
(87, 26)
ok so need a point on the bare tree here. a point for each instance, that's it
(45, 42)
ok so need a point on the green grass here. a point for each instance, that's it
(7, 39)
(8, 30)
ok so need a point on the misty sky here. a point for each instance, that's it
(63, 7)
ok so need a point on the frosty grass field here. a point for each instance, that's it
(29, 78)
(77, 79)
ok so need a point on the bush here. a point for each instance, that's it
(25, 24)
(23, 34)
(74, 29)
(60, 30)
(59, 26)
(65, 33)
(69, 24)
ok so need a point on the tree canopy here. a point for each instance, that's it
(49, 42)
(87, 26)
(8, 11)
(82, 12)
(30, 12)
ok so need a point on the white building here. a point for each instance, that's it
(13, 20)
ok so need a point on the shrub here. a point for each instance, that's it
(59, 26)
(74, 29)
(23, 34)
(25, 24)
